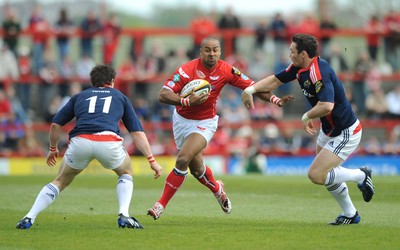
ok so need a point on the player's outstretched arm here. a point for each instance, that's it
(265, 85)
(142, 143)
(270, 97)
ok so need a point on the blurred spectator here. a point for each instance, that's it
(52, 108)
(392, 146)
(66, 69)
(142, 108)
(9, 72)
(49, 76)
(11, 30)
(289, 142)
(376, 104)
(90, 27)
(229, 21)
(391, 23)
(285, 89)
(279, 30)
(258, 67)
(110, 32)
(336, 59)
(74, 88)
(64, 29)
(201, 26)
(127, 75)
(393, 102)
(238, 60)
(327, 26)
(23, 87)
(83, 67)
(268, 139)
(309, 25)
(176, 58)
(16, 105)
(359, 91)
(261, 32)
(12, 133)
(264, 111)
(373, 146)
(375, 30)
(29, 145)
(41, 31)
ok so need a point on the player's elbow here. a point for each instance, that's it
(326, 107)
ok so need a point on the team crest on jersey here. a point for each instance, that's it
(183, 73)
(307, 84)
(177, 78)
(318, 86)
(171, 84)
(214, 78)
(200, 74)
(236, 71)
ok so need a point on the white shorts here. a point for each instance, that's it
(82, 151)
(183, 127)
(345, 143)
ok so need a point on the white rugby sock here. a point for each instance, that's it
(124, 193)
(341, 174)
(45, 197)
(341, 193)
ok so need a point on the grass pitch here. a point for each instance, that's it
(269, 212)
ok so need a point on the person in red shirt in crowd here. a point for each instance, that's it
(111, 31)
(195, 120)
(201, 27)
(374, 29)
(41, 32)
(391, 22)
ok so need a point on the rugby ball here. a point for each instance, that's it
(199, 86)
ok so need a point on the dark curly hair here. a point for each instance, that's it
(306, 42)
(102, 75)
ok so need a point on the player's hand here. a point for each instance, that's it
(51, 159)
(157, 169)
(196, 99)
(285, 99)
(247, 100)
(308, 126)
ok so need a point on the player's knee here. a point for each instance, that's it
(315, 178)
(182, 161)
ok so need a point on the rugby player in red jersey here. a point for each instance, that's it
(195, 120)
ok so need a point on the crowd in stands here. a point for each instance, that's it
(35, 82)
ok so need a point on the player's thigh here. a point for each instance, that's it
(125, 167)
(66, 175)
(111, 154)
(323, 162)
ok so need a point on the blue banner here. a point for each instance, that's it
(294, 165)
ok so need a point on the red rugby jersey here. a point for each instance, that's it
(222, 74)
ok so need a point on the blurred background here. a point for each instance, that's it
(47, 49)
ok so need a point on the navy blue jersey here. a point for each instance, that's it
(319, 82)
(97, 110)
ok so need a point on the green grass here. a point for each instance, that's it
(269, 212)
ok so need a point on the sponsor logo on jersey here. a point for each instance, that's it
(306, 93)
(177, 78)
(171, 84)
(200, 74)
(318, 86)
(236, 71)
(214, 78)
(183, 73)
(244, 77)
